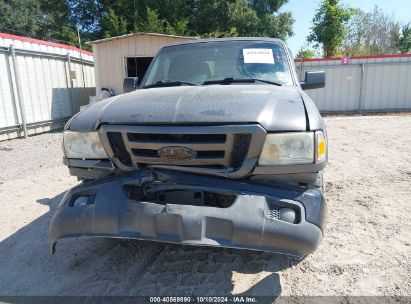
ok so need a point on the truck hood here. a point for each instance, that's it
(275, 108)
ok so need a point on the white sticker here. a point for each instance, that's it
(258, 56)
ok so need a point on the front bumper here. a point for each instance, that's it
(246, 224)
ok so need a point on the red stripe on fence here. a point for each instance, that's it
(43, 42)
(354, 57)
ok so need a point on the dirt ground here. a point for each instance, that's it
(366, 249)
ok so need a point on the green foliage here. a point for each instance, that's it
(113, 24)
(153, 24)
(251, 18)
(329, 26)
(57, 20)
(373, 33)
(404, 43)
(263, 7)
(279, 26)
(243, 18)
(208, 18)
(306, 54)
(28, 19)
(38, 19)
(181, 28)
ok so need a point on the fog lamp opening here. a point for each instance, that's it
(82, 201)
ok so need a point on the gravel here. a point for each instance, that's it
(21, 157)
(365, 251)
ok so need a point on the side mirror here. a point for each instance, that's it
(130, 84)
(313, 80)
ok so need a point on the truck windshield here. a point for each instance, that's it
(215, 62)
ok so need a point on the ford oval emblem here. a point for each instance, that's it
(176, 153)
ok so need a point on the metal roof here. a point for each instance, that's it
(140, 34)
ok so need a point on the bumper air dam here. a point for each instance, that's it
(253, 220)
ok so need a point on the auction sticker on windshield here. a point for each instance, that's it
(258, 56)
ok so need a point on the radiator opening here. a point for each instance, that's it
(181, 197)
(176, 138)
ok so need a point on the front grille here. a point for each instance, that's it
(240, 149)
(206, 146)
(177, 138)
(273, 212)
(118, 147)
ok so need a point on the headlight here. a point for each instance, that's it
(288, 148)
(83, 145)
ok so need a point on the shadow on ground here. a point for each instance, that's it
(109, 267)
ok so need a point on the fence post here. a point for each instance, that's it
(19, 89)
(11, 87)
(301, 70)
(362, 87)
(70, 84)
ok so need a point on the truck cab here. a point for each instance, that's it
(217, 145)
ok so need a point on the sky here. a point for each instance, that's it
(304, 11)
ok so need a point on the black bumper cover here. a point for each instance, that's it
(246, 224)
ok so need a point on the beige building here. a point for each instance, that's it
(124, 56)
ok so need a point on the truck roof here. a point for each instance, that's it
(227, 39)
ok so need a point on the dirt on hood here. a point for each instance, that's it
(275, 108)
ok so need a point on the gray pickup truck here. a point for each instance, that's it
(217, 145)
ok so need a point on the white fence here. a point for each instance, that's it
(362, 84)
(42, 84)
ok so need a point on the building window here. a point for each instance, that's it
(137, 66)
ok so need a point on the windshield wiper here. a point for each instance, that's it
(172, 83)
(229, 80)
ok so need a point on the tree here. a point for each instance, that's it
(205, 18)
(87, 15)
(372, 33)
(58, 20)
(329, 26)
(20, 17)
(113, 24)
(272, 23)
(243, 18)
(209, 18)
(305, 54)
(404, 43)
(42, 19)
(153, 24)
(260, 18)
